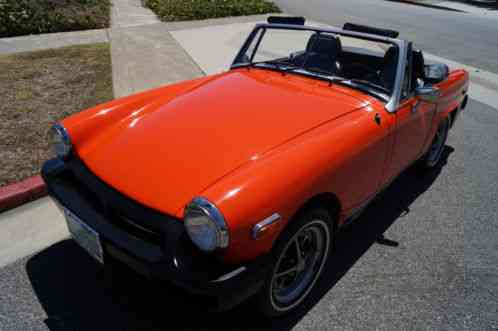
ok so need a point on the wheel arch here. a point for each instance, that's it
(464, 102)
(455, 112)
(453, 115)
(328, 200)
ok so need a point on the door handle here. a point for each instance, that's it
(377, 119)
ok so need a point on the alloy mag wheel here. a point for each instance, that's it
(437, 147)
(299, 265)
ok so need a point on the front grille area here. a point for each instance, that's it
(130, 216)
(136, 229)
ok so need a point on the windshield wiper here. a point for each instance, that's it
(279, 65)
(365, 86)
(323, 75)
(365, 82)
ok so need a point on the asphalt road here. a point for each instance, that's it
(462, 37)
(424, 256)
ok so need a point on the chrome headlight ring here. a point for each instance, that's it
(206, 225)
(61, 140)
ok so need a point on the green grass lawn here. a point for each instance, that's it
(21, 17)
(39, 88)
(182, 10)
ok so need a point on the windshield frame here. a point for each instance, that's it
(392, 101)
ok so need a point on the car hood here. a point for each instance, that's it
(171, 149)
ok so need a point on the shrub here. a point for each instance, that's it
(21, 17)
(181, 10)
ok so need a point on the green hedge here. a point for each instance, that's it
(182, 10)
(21, 17)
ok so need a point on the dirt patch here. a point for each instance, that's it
(39, 88)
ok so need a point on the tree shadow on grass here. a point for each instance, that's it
(77, 294)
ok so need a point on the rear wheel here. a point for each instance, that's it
(300, 256)
(433, 156)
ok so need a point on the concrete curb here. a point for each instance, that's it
(419, 3)
(16, 194)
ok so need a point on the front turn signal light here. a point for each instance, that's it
(266, 227)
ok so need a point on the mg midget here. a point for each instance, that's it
(234, 185)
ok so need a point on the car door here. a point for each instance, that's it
(413, 119)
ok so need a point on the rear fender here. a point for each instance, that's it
(453, 93)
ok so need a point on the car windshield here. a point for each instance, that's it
(366, 65)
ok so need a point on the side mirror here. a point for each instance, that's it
(427, 93)
(436, 73)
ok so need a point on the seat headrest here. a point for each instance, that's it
(388, 72)
(418, 63)
(324, 44)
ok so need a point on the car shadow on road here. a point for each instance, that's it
(77, 294)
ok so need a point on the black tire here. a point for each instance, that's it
(432, 157)
(314, 222)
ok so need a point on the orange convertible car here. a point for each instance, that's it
(233, 185)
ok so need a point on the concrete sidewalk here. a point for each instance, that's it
(51, 40)
(143, 53)
(126, 13)
(147, 56)
(29, 229)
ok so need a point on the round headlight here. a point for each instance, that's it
(61, 141)
(205, 225)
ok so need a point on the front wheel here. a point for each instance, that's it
(433, 156)
(300, 256)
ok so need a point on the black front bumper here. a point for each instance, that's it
(152, 243)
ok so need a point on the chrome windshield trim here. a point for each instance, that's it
(267, 221)
(393, 103)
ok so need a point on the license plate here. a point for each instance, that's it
(84, 235)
